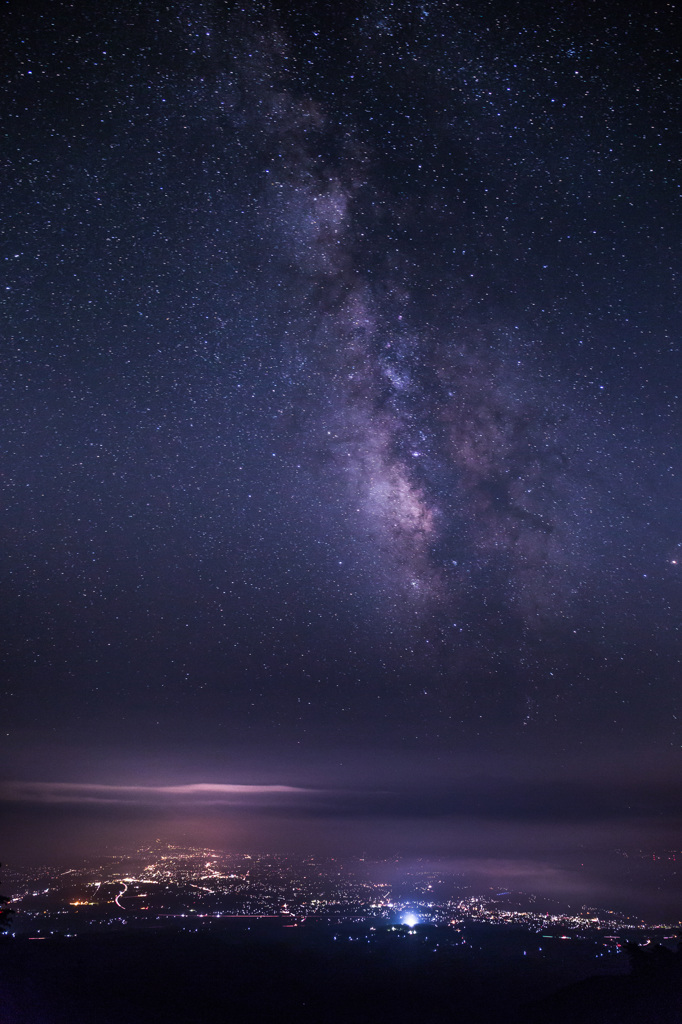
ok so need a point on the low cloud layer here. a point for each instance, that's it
(474, 798)
(195, 793)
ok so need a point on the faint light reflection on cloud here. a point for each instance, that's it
(196, 793)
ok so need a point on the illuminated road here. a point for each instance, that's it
(124, 889)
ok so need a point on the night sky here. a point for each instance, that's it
(341, 431)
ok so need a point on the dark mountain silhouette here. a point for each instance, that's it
(650, 994)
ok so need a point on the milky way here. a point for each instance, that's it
(469, 472)
(341, 376)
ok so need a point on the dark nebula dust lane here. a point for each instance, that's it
(341, 381)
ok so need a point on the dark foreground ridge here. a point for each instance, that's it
(651, 993)
(252, 976)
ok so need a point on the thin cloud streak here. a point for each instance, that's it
(550, 802)
(200, 792)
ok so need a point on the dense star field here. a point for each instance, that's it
(341, 419)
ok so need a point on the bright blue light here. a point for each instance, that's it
(410, 920)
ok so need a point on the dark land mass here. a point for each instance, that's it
(272, 974)
(650, 994)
